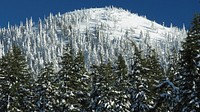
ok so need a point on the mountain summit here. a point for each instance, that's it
(101, 33)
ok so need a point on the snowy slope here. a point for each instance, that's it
(118, 21)
(98, 32)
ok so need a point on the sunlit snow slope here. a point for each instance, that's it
(101, 33)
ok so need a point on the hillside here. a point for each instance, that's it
(101, 33)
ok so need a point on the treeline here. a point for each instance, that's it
(141, 86)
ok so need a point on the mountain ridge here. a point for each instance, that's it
(95, 31)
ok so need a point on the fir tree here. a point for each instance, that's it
(121, 85)
(189, 73)
(153, 75)
(63, 93)
(138, 87)
(73, 82)
(102, 88)
(44, 89)
(15, 75)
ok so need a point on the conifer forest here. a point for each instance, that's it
(57, 65)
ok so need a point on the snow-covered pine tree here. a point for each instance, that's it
(166, 90)
(121, 85)
(153, 73)
(166, 99)
(73, 82)
(189, 74)
(44, 89)
(4, 84)
(64, 75)
(138, 88)
(80, 82)
(15, 75)
(102, 88)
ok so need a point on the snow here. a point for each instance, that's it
(108, 32)
(119, 21)
(168, 82)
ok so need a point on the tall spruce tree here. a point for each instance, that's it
(15, 75)
(138, 88)
(81, 82)
(44, 89)
(166, 90)
(73, 82)
(102, 88)
(154, 73)
(121, 85)
(63, 93)
(189, 73)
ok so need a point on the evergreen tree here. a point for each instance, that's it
(15, 75)
(167, 96)
(102, 88)
(80, 82)
(138, 87)
(4, 84)
(189, 74)
(63, 93)
(165, 89)
(154, 74)
(44, 89)
(73, 82)
(121, 85)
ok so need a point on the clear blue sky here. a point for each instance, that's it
(176, 12)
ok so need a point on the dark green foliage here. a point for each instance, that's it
(15, 76)
(64, 75)
(101, 94)
(154, 74)
(138, 87)
(166, 96)
(165, 90)
(189, 73)
(44, 89)
(121, 85)
(72, 82)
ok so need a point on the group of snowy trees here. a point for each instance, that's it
(137, 80)
(108, 86)
(141, 86)
(91, 30)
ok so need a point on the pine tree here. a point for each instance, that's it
(165, 89)
(95, 91)
(15, 73)
(62, 103)
(154, 74)
(138, 88)
(73, 82)
(4, 84)
(44, 89)
(166, 96)
(189, 73)
(102, 88)
(121, 85)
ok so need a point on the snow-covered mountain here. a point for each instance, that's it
(101, 33)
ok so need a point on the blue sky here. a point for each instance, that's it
(176, 12)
